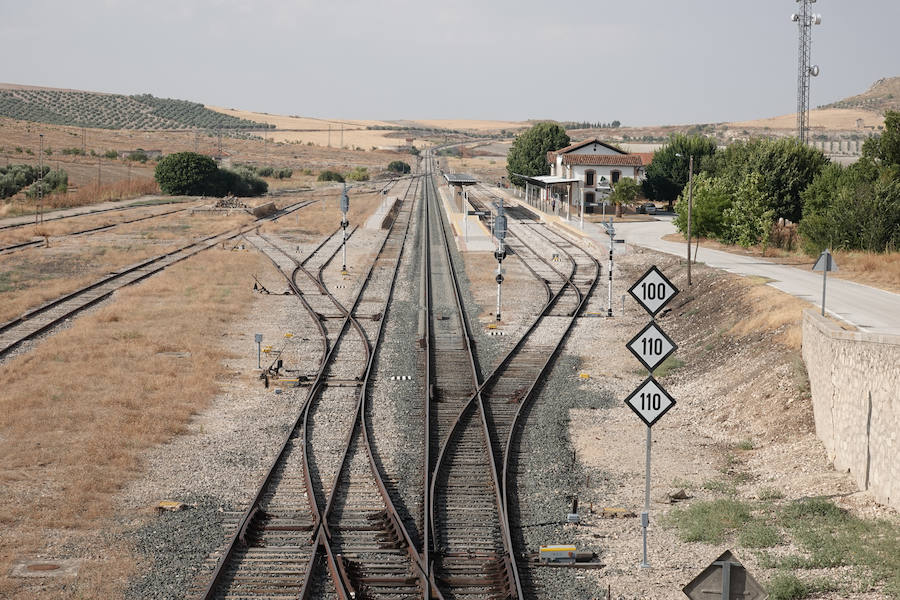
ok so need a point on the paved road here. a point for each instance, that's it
(860, 305)
(867, 308)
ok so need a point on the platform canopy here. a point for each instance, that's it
(460, 179)
(544, 181)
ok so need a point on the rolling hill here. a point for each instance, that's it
(112, 111)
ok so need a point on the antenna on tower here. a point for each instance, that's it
(805, 19)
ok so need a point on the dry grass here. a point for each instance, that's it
(78, 410)
(32, 277)
(771, 310)
(119, 190)
(822, 118)
(876, 270)
(324, 216)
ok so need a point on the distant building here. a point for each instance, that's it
(596, 165)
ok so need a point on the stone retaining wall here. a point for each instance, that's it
(855, 383)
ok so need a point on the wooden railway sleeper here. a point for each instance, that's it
(392, 536)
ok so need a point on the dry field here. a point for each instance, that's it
(306, 129)
(36, 275)
(78, 410)
(83, 169)
(820, 118)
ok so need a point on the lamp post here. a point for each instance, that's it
(690, 210)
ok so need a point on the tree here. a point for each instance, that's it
(668, 173)
(712, 198)
(528, 154)
(330, 176)
(853, 208)
(398, 166)
(625, 192)
(786, 167)
(885, 148)
(748, 221)
(185, 173)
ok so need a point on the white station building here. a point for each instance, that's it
(596, 165)
(581, 173)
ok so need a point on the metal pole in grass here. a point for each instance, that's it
(40, 210)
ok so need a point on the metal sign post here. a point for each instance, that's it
(345, 206)
(500, 254)
(825, 263)
(258, 338)
(651, 346)
(611, 231)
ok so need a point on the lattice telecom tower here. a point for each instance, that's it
(805, 19)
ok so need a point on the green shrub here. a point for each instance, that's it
(265, 171)
(239, 182)
(785, 586)
(138, 156)
(757, 534)
(709, 521)
(358, 174)
(185, 174)
(330, 176)
(284, 173)
(14, 178)
(53, 181)
(398, 166)
(111, 154)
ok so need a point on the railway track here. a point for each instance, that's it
(46, 219)
(335, 530)
(510, 389)
(468, 547)
(37, 243)
(43, 318)
(324, 523)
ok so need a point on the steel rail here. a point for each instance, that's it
(87, 213)
(252, 509)
(323, 532)
(456, 428)
(34, 243)
(155, 264)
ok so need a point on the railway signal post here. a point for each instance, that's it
(611, 232)
(651, 346)
(345, 206)
(500, 254)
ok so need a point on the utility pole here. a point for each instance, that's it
(83, 148)
(690, 208)
(98, 174)
(342, 136)
(41, 181)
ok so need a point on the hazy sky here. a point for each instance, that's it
(641, 62)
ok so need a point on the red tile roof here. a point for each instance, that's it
(603, 160)
(646, 157)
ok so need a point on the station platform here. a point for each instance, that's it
(469, 233)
